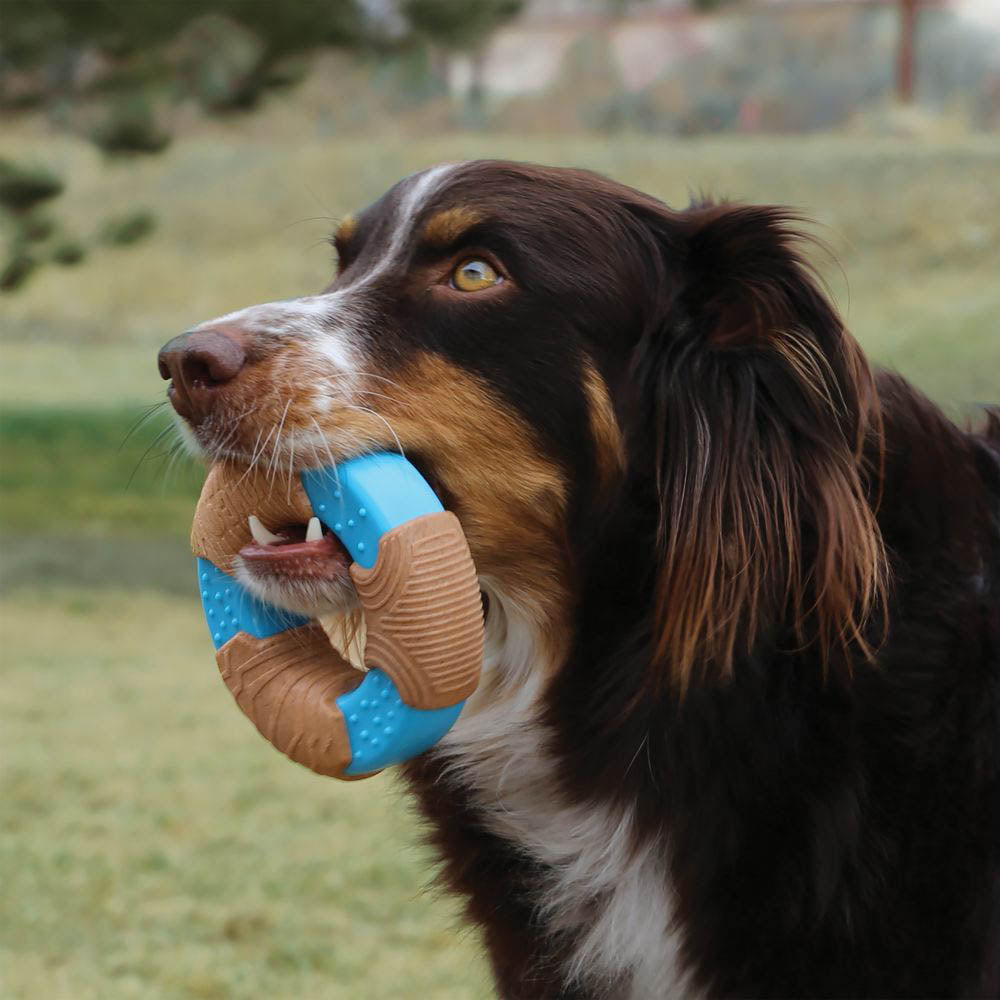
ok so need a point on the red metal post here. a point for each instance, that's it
(904, 56)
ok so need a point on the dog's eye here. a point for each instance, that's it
(474, 275)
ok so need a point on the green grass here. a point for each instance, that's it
(94, 472)
(89, 497)
(153, 845)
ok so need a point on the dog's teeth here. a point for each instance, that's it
(260, 534)
(314, 532)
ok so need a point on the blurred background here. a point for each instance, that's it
(165, 162)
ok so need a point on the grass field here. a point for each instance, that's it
(151, 844)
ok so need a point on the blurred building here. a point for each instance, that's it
(526, 55)
(825, 56)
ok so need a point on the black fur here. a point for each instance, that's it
(831, 822)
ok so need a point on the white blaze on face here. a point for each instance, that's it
(330, 329)
(293, 317)
(352, 313)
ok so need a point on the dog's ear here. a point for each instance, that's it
(757, 404)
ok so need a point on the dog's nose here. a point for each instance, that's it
(198, 363)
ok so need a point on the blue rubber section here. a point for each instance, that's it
(363, 498)
(230, 609)
(383, 729)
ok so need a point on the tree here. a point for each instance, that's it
(33, 28)
(237, 42)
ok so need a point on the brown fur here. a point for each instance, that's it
(447, 226)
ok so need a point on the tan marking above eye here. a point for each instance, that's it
(449, 224)
(474, 274)
(347, 228)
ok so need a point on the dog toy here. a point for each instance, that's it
(417, 587)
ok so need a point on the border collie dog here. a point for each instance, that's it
(738, 732)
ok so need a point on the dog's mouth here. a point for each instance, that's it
(302, 567)
(298, 563)
(295, 551)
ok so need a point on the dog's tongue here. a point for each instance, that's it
(322, 558)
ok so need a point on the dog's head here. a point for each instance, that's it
(652, 408)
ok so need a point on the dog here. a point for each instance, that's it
(738, 732)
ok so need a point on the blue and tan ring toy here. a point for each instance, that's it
(417, 587)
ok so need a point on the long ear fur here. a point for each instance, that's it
(760, 404)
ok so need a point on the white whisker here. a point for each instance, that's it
(253, 457)
(329, 454)
(378, 416)
(272, 465)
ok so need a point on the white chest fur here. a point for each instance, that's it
(614, 899)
